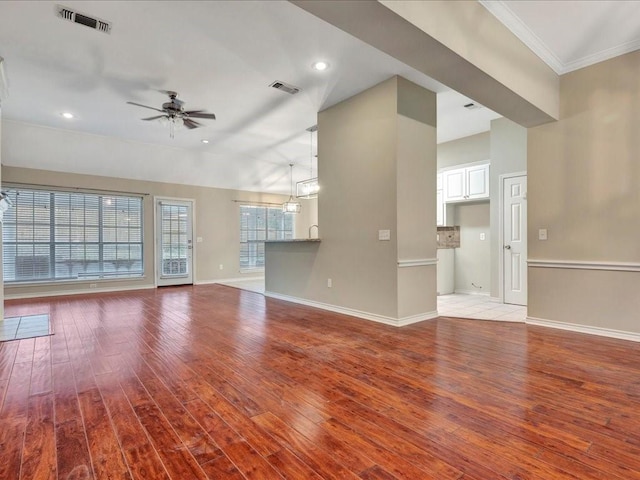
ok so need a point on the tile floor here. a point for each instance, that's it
(479, 307)
(15, 328)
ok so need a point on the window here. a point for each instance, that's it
(56, 235)
(258, 224)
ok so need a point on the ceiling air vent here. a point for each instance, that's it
(472, 106)
(77, 17)
(285, 87)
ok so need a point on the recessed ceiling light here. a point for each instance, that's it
(320, 66)
(67, 115)
(204, 141)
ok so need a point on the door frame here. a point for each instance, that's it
(501, 180)
(156, 270)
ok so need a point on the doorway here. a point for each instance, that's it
(514, 238)
(174, 241)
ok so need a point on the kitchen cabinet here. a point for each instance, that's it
(466, 184)
(440, 206)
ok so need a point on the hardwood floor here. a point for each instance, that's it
(214, 382)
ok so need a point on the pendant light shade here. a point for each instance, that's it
(291, 206)
(309, 188)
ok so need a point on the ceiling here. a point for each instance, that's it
(220, 56)
(569, 35)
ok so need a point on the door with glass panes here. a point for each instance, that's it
(174, 242)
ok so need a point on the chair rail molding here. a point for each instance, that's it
(584, 265)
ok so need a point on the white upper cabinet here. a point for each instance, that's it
(466, 184)
(440, 206)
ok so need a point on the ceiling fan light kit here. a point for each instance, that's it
(173, 111)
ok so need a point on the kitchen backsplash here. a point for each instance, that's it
(448, 237)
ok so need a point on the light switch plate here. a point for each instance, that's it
(198, 239)
(384, 235)
(542, 234)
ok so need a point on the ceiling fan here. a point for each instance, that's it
(174, 112)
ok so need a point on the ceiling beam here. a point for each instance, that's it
(459, 44)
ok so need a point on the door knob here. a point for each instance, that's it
(507, 247)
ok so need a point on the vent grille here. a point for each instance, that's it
(77, 17)
(285, 87)
(472, 106)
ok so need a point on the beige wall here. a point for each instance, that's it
(377, 172)
(584, 175)
(508, 155)
(472, 32)
(472, 259)
(474, 148)
(216, 221)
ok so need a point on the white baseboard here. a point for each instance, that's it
(396, 322)
(84, 291)
(574, 327)
(495, 299)
(471, 292)
(227, 280)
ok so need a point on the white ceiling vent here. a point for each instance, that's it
(66, 13)
(285, 87)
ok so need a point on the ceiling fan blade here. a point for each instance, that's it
(190, 123)
(198, 114)
(145, 106)
(154, 118)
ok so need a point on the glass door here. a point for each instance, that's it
(174, 240)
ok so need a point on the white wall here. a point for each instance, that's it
(472, 259)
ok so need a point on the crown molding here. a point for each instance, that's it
(501, 10)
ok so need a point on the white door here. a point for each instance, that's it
(174, 242)
(515, 240)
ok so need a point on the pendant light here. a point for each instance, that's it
(309, 188)
(290, 206)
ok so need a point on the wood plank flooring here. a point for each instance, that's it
(214, 382)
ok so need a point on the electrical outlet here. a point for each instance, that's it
(93, 285)
(198, 239)
(542, 234)
(221, 267)
(482, 236)
(329, 283)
